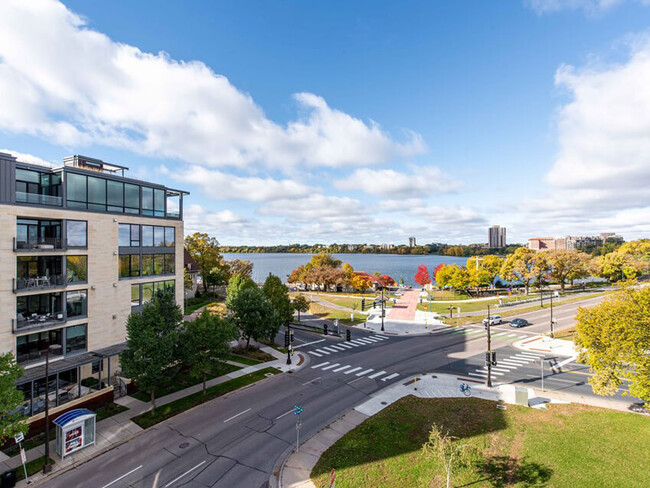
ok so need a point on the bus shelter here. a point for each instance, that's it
(75, 430)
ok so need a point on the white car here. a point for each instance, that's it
(494, 320)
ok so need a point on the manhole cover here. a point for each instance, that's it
(384, 403)
(184, 445)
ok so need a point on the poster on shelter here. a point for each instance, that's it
(73, 439)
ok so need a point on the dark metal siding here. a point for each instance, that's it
(7, 179)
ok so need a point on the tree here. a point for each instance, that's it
(385, 280)
(300, 304)
(448, 450)
(206, 340)
(205, 252)
(236, 284)
(277, 294)
(614, 337)
(239, 267)
(254, 315)
(445, 274)
(616, 266)
(11, 420)
(520, 266)
(188, 284)
(435, 272)
(360, 282)
(567, 265)
(460, 280)
(153, 344)
(422, 275)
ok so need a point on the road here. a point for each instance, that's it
(235, 440)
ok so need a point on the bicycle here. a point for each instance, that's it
(465, 389)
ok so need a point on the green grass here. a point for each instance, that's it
(566, 445)
(193, 304)
(33, 467)
(185, 380)
(566, 334)
(331, 314)
(254, 353)
(242, 359)
(164, 412)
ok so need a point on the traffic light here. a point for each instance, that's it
(324, 329)
(291, 337)
(491, 358)
(348, 335)
(286, 339)
(363, 304)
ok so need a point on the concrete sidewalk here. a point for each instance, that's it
(406, 306)
(119, 428)
(545, 344)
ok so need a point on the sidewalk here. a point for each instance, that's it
(545, 344)
(406, 306)
(119, 428)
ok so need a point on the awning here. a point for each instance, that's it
(72, 415)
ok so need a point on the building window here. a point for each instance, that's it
(159, 236)
(159, 202)
(77, 193)
(147, 265)
(135, 295)
(170, 260)
(169, 236)
(40, 308)
(147, 236)
(129, 265)
(32, 347)
(97, 366)
(147, 201)
(76, 339)
(77, 233)
(131, 198)
(147, 292)
(170, 285)
(129, 235)
(37, 187)
(77, 303)
(76, 269)
(96, 194)
(115, 196)
(159, 264)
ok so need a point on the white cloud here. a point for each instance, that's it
(319, 208)
(419, 181)
(590, 7)
(29, 158)
(69, 84)
(224, 186)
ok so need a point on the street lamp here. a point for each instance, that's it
(47, 467)
(382, 309)
(552, 321)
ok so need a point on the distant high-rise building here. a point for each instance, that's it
(412, 242)
(496, 236)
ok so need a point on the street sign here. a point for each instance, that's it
(23, 458)
(298, 410)
(19, 437)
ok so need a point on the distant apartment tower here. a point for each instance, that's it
(412, 242)
(496, 236)
(546, 243)
(572, 242)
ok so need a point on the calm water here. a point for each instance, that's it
(395, 265)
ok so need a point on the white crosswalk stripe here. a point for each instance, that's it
(390, 377)
(497, 368)
(381, 337)
(340, 369)
(352, 370)
(496, 374)
(364, 341)
(353, 344)
(358, 343)
(319, 365)
(373, 376)
(365, 372)
(480, 375)
(508, 367)
(338, 348)
(513, 362)
(373, 339)
(500, 334)
(523, 358)
(347, 346)
(322, 351)
(329, 349)
(331, 366)
(532, 355)
(314, 354)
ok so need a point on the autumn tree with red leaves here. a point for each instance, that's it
(422, 276)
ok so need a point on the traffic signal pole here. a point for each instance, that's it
(382, 309)
(287, 343)
(489, 353)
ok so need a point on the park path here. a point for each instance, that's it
(406, 306)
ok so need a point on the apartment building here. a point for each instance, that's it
(82, 246)
(496, 237)
(572, 242)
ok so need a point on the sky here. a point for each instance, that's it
(348, 122)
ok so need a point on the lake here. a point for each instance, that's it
(395, 265)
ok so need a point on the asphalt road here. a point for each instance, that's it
(235, 440)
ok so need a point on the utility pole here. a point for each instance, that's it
(552, 335)
(488, 355)
(47, 467)
(382, 309)
(287, 343)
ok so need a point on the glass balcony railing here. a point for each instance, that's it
(25, 197)
(39, 282)
(39, 244)
(36, 321)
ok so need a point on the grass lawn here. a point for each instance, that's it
(566, 334)
(33, 467)
(184, 380)
(193, 304)
(448, 295)
(242, 359)
(164, 412)
(331, 314)
(565, 446)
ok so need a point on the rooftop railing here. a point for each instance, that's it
(26, 197)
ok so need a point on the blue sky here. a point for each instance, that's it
(340, 121)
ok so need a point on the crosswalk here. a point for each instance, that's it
(344, 346)
(475, 332)
(508, 364)
(355, 371)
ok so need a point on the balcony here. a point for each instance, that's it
(40, 244)
(36, 321)
(38, 199)
(34, 283)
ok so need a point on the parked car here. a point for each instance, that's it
(519, 323)
(494, 320)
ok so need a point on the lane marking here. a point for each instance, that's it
(381, 337)
(329, 349)
(338, 348)
(314, 353)
(372, 339)
(357, 343)
(123, 476)
(506, 366)
(235, 416)
(532, 355)
(390, 377)
(309, 343)
(356, 379)
(349, 371)
(340, 369)
(286, 413)
(373, 376)
(478, 374)
(347, 346)
(319, 365)
(322, 352)
(311, 381)
(496, 374)
(496, 368)
(351, 343)
(331, 366)
(365, 372)
(365, 341)
(184, 474)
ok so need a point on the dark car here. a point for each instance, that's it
(519, 323)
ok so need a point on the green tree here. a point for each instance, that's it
(205, 252)
(153, 351)
(240, 267)
(236, 284)
(206, 340)
(444, 275)
(300, 304)
(615, 340)
(520, 266)
(448, 450)
(460, 280)
(11, 421)
(277, 294)
(254, 315)
(616, 266)
(187, 280)
(567, 265)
